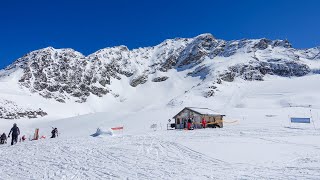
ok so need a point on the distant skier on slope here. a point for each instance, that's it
(3, 138)
(54, 133)
(15, 133)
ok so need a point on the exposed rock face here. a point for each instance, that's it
(64, 74)
(262, 44)
(194, 52)
(286, 68)
(265, 43)
(60, 74)
(10, 110)
(200, 71)
(312, 53)
(139, 80)
(255, 71)
(210, 92)
(160, 79)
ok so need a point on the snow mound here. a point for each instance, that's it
(102, 132)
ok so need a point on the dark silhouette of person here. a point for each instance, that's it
(15, 133)
(54, 133)
(3, 138)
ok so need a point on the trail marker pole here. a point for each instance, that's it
(312, 120)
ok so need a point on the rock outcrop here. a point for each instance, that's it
(10, 110)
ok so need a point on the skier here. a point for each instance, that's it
(204, 123)
(15, 133)
(54, 133)
(3, 139)
(189, 124)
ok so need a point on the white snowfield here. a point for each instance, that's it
(228, 153)
(257, 141)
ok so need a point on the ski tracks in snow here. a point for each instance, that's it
(130, 157)
(148, 156)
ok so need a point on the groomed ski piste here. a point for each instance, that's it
(257, 141)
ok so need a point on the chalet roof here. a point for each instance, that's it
(204, 111)
(201, 111)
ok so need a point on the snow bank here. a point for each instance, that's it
(102, 132)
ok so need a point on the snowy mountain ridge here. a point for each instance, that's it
(67, 75)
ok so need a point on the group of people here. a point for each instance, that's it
(15, 132)
(190, 124)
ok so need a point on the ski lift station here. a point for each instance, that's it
(213, 119)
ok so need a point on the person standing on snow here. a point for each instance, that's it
(54, 133)
(3, 138)
(204, 123)
(15, 133)
(189, 123)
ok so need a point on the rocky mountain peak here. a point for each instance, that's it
(65, 74)
(264, 43)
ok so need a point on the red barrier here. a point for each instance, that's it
(117, 128)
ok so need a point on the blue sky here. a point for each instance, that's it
(87, 26)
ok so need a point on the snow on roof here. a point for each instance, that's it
(204, 111)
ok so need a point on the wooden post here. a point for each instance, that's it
(36, 134)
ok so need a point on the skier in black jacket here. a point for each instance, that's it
(15, 133)
(54, 133)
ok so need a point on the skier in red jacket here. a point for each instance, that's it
(204, 123)
(189, 124)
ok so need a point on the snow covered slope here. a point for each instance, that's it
(257, 141)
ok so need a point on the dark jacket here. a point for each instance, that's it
(15, 131)
(54, 133)
(189, 120)
(3, 136)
